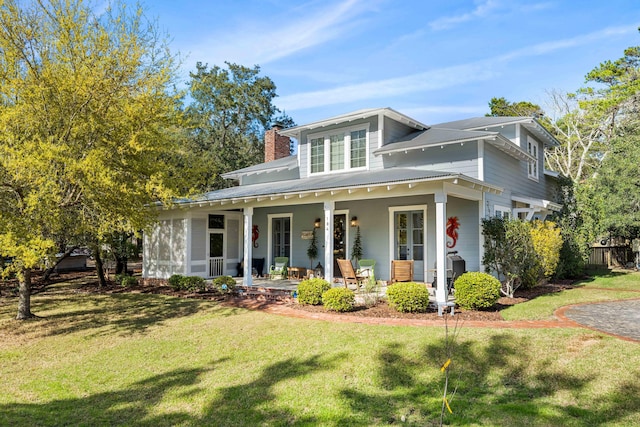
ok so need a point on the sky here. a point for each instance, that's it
(434, 61)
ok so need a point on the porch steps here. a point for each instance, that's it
(260, 293)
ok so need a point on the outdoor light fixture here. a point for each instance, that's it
(316, 224)
(354, 221)
(319, 271)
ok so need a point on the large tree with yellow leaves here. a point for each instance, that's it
(86, 109)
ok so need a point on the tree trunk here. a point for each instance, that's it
(48, 271)
(99, 268)
(24, 292)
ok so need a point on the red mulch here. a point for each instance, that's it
(380, 310)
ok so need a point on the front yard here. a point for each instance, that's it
(145, 359)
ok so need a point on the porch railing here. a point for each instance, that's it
(216, 267)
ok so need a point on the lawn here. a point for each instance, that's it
(152, 360)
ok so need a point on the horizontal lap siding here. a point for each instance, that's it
(450, 158)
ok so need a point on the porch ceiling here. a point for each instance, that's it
(344, 186)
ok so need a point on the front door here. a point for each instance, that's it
(280, 238)
(339, 241)
(216, 253)
(409, 240)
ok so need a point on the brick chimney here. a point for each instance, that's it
(276, 146)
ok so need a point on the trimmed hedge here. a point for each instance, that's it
(408, 297)
(310, 291)
(224, 284)
(476, 290)
(187, 283)
(339, 299)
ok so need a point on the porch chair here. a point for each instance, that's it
(279, 268)
(401, 270)
(366, 268)
(349, 276)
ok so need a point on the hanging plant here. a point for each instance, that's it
(312, 250)
(356, 253)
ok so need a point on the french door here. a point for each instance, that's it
(409, 239)
(280, 237)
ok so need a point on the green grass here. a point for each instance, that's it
(602, 287)
(149, 360)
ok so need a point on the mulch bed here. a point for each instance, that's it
(87, 282)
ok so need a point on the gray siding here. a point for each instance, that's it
(449, 158)
(394, 130)
(503, 170)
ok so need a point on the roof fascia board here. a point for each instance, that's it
(422, 147)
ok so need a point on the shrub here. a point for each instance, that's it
(224, 284)
(310, 291)
(547, 242)
(193, 284)
(408, 297)
(125, 280)
(476, 290)
(175, 281)
(339, 299)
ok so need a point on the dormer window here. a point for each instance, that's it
(533, 149)
(338, 150)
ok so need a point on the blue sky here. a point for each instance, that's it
(432, 60)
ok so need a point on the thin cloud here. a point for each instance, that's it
(259, 43)
(481, 10)
(438, 78)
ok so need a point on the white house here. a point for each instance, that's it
(399, 180)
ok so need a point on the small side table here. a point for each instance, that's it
(296, 272)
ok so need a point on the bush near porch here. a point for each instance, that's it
(409, 297)
(310, 291)
(476, 290)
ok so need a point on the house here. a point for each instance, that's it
(401, 181)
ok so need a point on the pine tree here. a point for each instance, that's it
(357, 246)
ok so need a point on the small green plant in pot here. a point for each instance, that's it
(310, 291)
(339, 299)
(475, 290)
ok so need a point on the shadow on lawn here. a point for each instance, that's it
(495, 386)
(249, 404)
(125, 313)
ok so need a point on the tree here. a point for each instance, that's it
(312, 250)
(356, 253)
(85, 104)
(500, 107)
(230, 111)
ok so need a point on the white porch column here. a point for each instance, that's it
(329, 207)
(441, 249)
(247, 280)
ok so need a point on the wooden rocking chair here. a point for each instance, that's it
(401, 270)
(349, 275)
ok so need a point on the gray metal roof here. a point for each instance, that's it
(432, 137)
(355, 115)
(285, 163)
(476, 123)
(331, 182)
(482, 122)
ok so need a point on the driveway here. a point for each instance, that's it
(620, 318)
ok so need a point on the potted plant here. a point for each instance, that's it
(356, 253)
(312, 250)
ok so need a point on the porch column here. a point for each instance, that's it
(441, 249)
(248, 248)
(329, 207)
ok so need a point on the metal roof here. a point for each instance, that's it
(355, 115)
(285, 163)
(434, 137)
(339, 181)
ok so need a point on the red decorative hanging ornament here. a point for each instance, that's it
(452, 230)
(254, 236)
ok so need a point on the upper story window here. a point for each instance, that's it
(533, 149)
(339, 150)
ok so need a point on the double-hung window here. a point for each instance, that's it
(532, 148)
(343, 149)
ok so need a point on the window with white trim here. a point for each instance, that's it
(532, 148)
(344, 149)
(502, 212)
